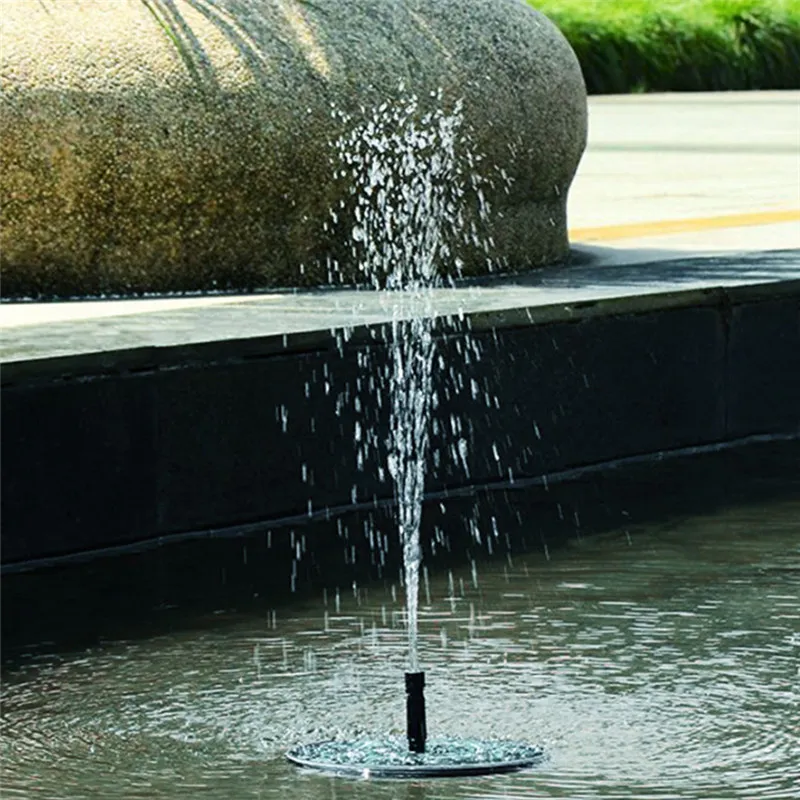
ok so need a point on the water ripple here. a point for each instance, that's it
(660, 666)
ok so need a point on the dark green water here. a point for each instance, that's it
(661, 660)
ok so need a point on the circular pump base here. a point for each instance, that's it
(389, 757)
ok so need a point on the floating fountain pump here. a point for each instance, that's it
(418, 757)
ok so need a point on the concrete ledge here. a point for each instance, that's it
(104, 449)
(38, 332)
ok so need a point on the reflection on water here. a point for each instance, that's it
(659, 661)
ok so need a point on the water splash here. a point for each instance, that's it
(415, 200)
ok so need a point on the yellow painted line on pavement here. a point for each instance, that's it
(638, 230)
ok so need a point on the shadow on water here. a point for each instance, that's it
(206, 581)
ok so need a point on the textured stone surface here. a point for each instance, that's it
(181, 144)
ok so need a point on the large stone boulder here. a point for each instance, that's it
(162, 145)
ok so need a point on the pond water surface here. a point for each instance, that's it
(655, 661)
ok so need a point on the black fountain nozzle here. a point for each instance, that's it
(415, 711)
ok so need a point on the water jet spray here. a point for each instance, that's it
(412, 185)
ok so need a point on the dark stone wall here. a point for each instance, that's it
(79, 465)
(223, 435)
(763, 368)
(601, 388)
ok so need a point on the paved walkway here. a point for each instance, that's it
(665, 178)
(656, 159)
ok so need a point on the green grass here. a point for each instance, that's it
(681, 45)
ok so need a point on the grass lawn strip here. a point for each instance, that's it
(683, 45)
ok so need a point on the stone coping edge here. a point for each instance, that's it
(152, 359)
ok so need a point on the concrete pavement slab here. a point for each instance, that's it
(674, 156)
